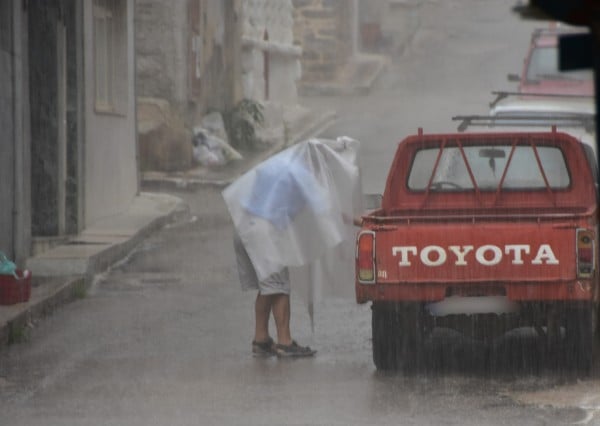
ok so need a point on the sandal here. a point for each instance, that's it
(293, 350)
(264, 349)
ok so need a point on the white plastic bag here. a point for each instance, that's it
(210, 150)
(207, 157)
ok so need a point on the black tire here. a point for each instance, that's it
(580, 329)
(385, 325)
(397, 336)
(413, 338)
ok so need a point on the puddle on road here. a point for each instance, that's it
(139, 281)
(582, 396)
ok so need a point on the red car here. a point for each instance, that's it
(540, 73)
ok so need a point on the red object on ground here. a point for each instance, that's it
(13, 290)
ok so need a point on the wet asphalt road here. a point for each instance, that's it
(164, 337)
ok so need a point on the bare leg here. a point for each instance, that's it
(281, 312)
(262, 311)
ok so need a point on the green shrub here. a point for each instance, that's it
(241, 122)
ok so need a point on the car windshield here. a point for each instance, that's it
(488, 164)
(543, 65)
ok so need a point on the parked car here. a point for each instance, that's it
(541, 74)
(513, 112)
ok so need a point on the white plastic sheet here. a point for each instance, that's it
(296, 209)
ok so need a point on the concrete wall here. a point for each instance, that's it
(324, 29)
(110, 169)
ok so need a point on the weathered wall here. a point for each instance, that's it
(184, 54)
(324, 30)
(208, 57)
(369, 25)
(270, 60)
(160, 48)
(111, 178)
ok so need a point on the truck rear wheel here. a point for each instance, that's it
(397, 336)
(580, 330)
(386, 328)
(412, 337)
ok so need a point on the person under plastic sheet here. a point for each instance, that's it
(288, 212)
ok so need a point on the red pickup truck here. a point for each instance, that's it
(540, 73)
(483, 233)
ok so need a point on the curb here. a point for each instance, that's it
(360, 85)
(48, 293)
(46, 297)
(106, 258)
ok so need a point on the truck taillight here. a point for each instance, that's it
(365, 257)
(585, 253)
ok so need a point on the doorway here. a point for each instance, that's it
(54, 123)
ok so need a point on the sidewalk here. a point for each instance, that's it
(356, 78)
(63, 273)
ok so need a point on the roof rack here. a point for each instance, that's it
(587, 121)
(555, 31)
(505, 94)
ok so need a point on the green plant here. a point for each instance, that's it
(18, 333)
(241, 122)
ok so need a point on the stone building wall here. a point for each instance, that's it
(207, 55)
(324, 29)
(202, 55)
(157, 60)
(185, 53)
(270, 60)
(211, 55)
(187, 65)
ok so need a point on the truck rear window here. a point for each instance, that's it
(488, 164)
